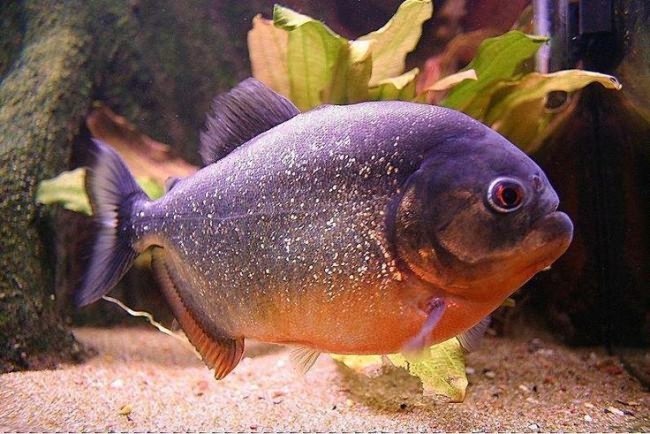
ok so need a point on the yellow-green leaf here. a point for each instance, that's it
(67, 189)
(396, 39)
(497, 59)
(440, 368)
(358, 363)
(289, 19)
(150, 187)
(313, 54)
(452, 80)
(517, 109)
(267, 47)
(397, 88)
(535, 86)
(350, 78)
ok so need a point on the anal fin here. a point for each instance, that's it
(471, 339)
(221, 353)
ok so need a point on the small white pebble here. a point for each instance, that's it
(533, 426)
(587, 418)
(117, 384)
(490, 374)
(469, 370)
(524, 388)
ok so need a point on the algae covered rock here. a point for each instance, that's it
(158, 63)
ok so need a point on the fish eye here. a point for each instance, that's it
(505, 194)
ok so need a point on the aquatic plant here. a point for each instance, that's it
(304, 60)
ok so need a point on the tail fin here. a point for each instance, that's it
(114, 195)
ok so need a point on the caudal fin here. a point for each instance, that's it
(114, 197)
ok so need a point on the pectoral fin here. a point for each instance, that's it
(221, 353)
(436, 308)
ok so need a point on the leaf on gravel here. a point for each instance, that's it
(441, 368)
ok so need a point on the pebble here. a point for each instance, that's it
(615, 411)
(533, 427)
(535, 345)
(470, 371)
(117, 384)
(125, 410)
(490, 374)
(588, 418)
(524, 388)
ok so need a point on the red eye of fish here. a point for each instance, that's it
(505, 194)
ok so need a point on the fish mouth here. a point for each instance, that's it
(549, 238)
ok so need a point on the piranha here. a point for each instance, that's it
(369, 228)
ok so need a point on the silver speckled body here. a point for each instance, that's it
(285, 239)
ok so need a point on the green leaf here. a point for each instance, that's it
(67, 189)
(535, 86)
(396, 39)
(452, 80)
(289, 19)
(267, 47)
(517, 109)
(441, 368)
(397, 88)
(152, 189)
(351, 75)
(358, 363)
(313, 54)
(497, 59)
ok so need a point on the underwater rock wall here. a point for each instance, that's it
(155, 62)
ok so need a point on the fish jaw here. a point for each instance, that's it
(549, 238)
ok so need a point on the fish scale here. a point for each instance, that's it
(361, 229)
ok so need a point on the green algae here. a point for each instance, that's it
(157, 63)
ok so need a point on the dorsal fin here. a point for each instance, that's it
(246, 111)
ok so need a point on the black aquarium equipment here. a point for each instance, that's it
(598, 159)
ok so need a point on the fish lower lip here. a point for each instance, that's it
(554, 232)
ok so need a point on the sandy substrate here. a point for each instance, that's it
(142, 380)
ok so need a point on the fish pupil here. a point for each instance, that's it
(509, 196)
